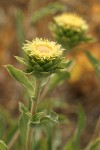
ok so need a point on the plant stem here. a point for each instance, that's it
(13, 140)
(33, 111)
(96, 133)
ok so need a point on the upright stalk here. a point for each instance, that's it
(33, 111)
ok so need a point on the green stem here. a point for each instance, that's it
(49, 142)
(33, 111)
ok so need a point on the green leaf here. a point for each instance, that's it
(36, 119)
(58, 79)
(23, 128)
(11, 132)
(80, 127)
(23, 123)
(44, 81)
(41, 117)
(40, 143)
(25, 111)
(3, 146)
(94, 62)
(69, 65)
(21, 60)
(22, 108)
(38, 116)
(73, 143)
(19, 27)
(94, 145)
(69, 145)
(63, 119)
(52, 117)
(52, 8)
(2, 126)
(21, 78)
(88, 39)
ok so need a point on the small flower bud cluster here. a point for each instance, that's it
(69, 30)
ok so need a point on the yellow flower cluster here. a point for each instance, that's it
(71, 21)
(43, 49)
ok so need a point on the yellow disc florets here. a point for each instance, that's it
(71, 21)
(43, 49)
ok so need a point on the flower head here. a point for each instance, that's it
(43, 57)
(71, 21)
(69, 30)
(43, 49)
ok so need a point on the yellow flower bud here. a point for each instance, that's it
(71, 21)
(43, 57)
(70, 30)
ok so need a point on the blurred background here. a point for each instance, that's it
(22, 20)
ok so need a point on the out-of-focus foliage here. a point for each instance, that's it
(3, 146)
(61, 77)
(94, 62)
(94, 145)
(49, 9)
(8, 126)
(74, 144)
(20, 27)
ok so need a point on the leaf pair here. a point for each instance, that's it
(39, 117)
(34, 121)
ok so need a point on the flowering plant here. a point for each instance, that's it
(41, 59)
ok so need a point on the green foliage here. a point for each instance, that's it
(58, 79)
(94, 62)
(23, 124)
(94, 145)
(21, 78)
(80, 127)
(52, 8)
(2, 126)
(38, 117)
(74, 143)
(39, 141)
(41, 118)
(3, 146)
(11, 132)
(19, 27)
(8, 125)
(21, 60)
